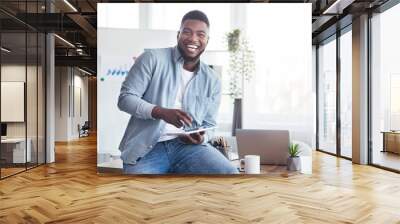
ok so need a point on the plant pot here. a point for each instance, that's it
(237, 115)
(294, 163)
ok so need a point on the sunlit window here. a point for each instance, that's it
(346, 94)
(169, 16)
(118, 15)
(327, 96)
(279, 96)
(385, 85)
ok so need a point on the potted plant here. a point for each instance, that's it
(294, 162)
(241, 68)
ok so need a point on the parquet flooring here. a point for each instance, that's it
(10, 171)
(70, 191)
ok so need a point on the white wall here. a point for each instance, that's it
(67, 115)
(80, 84)
(116, 51)
(61, 103)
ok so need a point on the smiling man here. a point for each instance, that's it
(165, 90)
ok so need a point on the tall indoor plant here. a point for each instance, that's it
(241, 68)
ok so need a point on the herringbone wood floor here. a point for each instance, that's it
(70, 191)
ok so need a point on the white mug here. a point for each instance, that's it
(251, 164)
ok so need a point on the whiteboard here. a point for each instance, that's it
(116, 51)
(12, 101)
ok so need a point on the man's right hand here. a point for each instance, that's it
(172, 116)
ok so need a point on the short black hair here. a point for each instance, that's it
(196, 15)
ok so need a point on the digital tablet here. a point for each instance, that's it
(191, 131)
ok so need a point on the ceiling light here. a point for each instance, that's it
(86, 72)
(64, 40)
(5, 50)
(338, 6)
(70, 5)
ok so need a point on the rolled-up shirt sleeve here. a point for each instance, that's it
(134, 86)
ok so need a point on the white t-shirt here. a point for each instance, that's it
(186, 77)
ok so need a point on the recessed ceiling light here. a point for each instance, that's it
(70, 5)
(5, 50)
(64, 40)
(86, 72)
(338, 6)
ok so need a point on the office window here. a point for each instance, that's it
(385, 93)
(327, 96)
(394, 102)
(118, 16)
(279, 96)
(346, 94)
(169, 16)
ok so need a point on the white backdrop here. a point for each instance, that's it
(281, 94)
(115, 56)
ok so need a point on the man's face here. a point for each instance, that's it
(192, 39)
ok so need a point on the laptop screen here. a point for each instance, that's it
(3, 129)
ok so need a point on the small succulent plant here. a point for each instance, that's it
(294, 150)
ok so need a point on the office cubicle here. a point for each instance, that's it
(22, 78)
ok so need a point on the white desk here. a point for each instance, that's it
(18, 149)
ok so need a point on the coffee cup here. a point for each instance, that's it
(250, 164)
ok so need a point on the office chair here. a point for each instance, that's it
(84, 130)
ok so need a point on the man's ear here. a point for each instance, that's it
(177, 35)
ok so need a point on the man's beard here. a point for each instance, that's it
(189, 59)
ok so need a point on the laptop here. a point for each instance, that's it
(3, 131)
(271, 145)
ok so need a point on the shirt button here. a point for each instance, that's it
(150, 146)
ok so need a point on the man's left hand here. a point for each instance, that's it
(195, 138)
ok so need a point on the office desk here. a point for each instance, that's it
(13, 150)
(391, 141)
(115, 166)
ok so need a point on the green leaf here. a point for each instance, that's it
(294, 150)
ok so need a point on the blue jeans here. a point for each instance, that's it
(174, 156)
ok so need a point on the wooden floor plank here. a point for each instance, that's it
(71, 191)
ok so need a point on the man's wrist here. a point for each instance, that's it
(156, 112)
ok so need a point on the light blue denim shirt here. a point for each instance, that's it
(153, 80)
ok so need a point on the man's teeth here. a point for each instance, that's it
(192, 46)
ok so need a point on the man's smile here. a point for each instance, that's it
(191, 48)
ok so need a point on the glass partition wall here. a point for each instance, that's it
(334, 104)
(22, 77)
(334, 125)
(346, 95)
(385, 89)
(327, 95)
